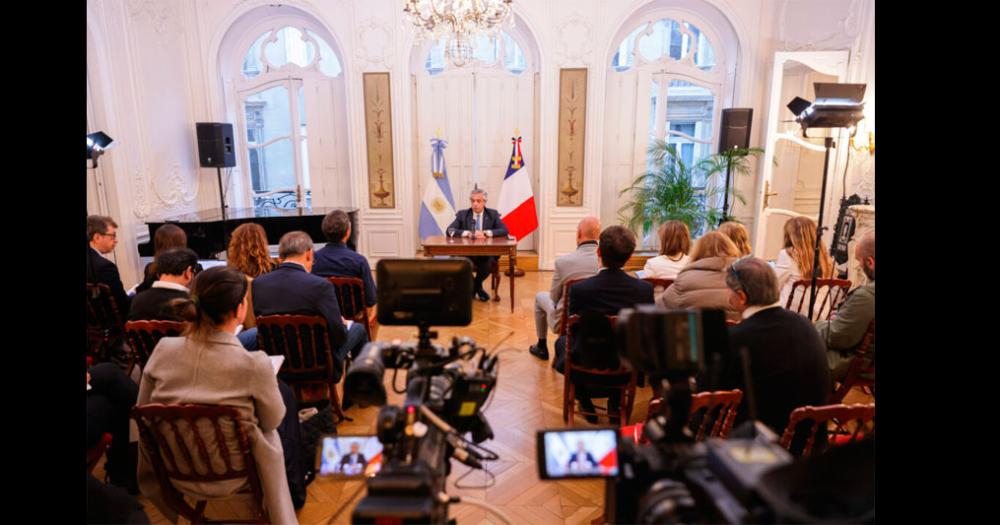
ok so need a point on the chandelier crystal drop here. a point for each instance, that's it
(458, 21)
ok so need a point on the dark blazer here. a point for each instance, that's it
(346, 460)
(290, 289)
(465, 222)
(154, 305)
(103, 271)
(337, 260)
(605, 293)
(787, 363)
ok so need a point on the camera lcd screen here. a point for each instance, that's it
(572, 453)
(436, 292)
(349, 456)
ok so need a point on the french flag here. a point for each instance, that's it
(517, 203)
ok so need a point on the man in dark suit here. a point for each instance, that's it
(787, 357)
(579, 460)
(337, 260)
(291, 289)
(175, 269)
(102, 232)
(353, 462)
(479, 222)
(605, 293)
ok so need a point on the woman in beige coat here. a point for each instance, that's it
(702, 283)
(208, 365)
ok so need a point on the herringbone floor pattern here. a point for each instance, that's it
(528, 397)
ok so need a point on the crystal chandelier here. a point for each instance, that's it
(460, 21)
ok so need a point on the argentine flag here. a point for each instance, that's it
(437, 209)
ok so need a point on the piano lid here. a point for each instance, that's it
(254, 213)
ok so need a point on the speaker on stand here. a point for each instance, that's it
(216, 150)
(735, 134)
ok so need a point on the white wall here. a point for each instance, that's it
(153, 72)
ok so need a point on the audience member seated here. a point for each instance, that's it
(605, 293)
(575, 265)
(102, 234)
(795, 262)
(675, 243)
(207, 365)
(845, 332)
(167, 237)
(737, 233)
(249, 253)
(110, 396)
(787, 358)
(702, 283)
(175, 268)
(337, 260)
(479, 222)
(291, 289)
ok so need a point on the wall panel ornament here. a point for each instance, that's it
(576, 37)
(378, 137)
(177, 187)
(375, 44)
(140, 206)
(572, 128)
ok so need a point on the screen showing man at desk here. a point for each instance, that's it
(479, 222)
(583, 453)
(350, 456)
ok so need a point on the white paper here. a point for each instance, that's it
(276, 361)
(349, 324)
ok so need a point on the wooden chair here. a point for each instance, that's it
(840, 415)
(142, 336)
(717, 407)
(353, 303)
(166, 433)
(660, 285)
(826, 304)
(861, 371)
(623, 380)
(309, 367)
(495, 275)
(95, 454)
(104, 320)
(564, 315)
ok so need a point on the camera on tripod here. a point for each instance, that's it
(442, 401)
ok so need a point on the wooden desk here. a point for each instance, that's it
(440, 245)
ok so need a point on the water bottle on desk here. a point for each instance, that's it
(452, 232)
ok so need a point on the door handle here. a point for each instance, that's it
(767, 193)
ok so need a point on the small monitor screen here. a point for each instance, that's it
(578, 453)
(436, 292)
(349, 456)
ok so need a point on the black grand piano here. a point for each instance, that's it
(208, 234)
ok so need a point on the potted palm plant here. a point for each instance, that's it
(668, 190)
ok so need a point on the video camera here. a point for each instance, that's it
(443, 399)
(674, 479)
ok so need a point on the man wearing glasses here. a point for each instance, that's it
(102, 234)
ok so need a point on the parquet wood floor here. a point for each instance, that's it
(528, 397)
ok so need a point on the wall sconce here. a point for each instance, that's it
(870, 147)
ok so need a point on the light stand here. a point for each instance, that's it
(222, 196)
(725, 195)
(836, 106)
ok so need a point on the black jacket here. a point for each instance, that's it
(465, 221)
(103, 271)
(154, 305)
(290, 289)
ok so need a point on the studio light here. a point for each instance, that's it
(97, 143)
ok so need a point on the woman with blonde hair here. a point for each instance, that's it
(702, 283)
(795, 262)
(738, 233)
(248, 252)
(675, 243)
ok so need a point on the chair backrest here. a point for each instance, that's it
(861, 370)
(564, 321)
(719, 408)
(860, 414)
(659, 284)
(102, 310)
(302, 339)
(350, 297)
(142, 336)
(568, 366)
(829, 294)
(867, 341)
(178, 439)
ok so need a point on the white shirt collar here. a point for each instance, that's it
(754, 309)
(170, 286)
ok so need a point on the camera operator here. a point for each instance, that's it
(787, 357)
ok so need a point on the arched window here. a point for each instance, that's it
(486, 51)
(674, 76)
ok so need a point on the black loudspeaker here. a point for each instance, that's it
(215, 145)
(735, 128)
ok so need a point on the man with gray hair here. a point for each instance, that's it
(291, 289)
(478, 222)
(844, 333)
(578, 264)
(787, 357)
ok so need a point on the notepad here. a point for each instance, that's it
(276, 362)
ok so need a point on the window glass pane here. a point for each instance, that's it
(289, 47)
(704, 55)
(277, 166)
(329, 64)
(306, 184)
(435, 58)
(690, 110)
(271, 110)
(651, 46)
(514, 59)
(251, 63)
(302, 110)
(486, 49)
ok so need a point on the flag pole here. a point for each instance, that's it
(518, 272)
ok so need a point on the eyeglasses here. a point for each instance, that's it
(113, 235)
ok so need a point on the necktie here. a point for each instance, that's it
(479, 222)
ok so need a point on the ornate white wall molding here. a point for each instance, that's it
(841, 33)
(374, 45)
(576, 42)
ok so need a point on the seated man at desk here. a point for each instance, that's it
(478, 222)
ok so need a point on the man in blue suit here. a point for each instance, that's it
(336, 259)
(291, 289)
(479, 222)
(604, 294)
